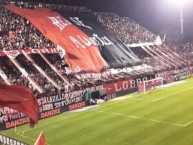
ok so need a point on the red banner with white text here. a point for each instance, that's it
(15, 53)
(81, 52)
(114, 87)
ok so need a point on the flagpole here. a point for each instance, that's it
(181, 19)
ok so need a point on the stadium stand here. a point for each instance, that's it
(49, 74)
(125, 28)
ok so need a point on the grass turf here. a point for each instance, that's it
(159, 117)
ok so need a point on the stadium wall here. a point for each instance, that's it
(49, 106)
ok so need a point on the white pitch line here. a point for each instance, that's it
(26, 137)
(22, 132)
(171, 94)
(64, 118)
(131, 98)
(188, 123)
(47, 124)
(147, 119)
(136, 98)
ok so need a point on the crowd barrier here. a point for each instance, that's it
(9, 141)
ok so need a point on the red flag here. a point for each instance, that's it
(21, 99)
(40, 140)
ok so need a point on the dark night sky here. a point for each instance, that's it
(155, 15)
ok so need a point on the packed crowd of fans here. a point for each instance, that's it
(21, 34)
(18, 33)
(124, 28)
(13, 74)
(184, 48)
(185, 51)
(38, 77)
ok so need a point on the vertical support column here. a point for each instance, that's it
(23, 71)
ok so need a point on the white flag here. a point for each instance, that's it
(158, 41)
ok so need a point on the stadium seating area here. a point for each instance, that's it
(18, 33)
(125, 28)
(186, 51)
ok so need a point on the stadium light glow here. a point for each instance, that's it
(181, 4)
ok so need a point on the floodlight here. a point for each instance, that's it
(179, 2)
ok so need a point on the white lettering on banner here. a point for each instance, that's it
(95, 40)
(107, 41)
(58, 101)
(132, 82)
(66, 96)
(125, 85)
(85, 41)
(6, 110)
(60, 22)
(76, 42)
(101, 41)
(35, 51)
(138, 80)
(16, 116)
(47, 107)
(116, 88)
(7, 113)
(79, 22)
(3, 118)
(53, 50)
(12, 53)
(58, 105)
(51, 99)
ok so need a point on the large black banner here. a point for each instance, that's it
(113, 50)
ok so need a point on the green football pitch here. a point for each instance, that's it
(159, 117)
